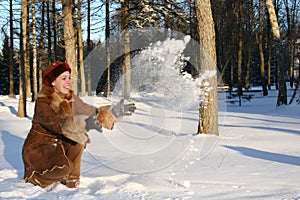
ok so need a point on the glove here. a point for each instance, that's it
(121, 109)
(93, 123)
(105, 117)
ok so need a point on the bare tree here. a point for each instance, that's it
(11, 51)
(273, 19)
(291, 39)
(70, 41)
(80, 51)
(49, 32)
(34, 52)
(208, 111)
(107, 45)
(54, 20)
(41, 51)
(248, 35)
(240, 48)
(27, 59)
(23, 45)
(261, 51)
(126, 50)
(89, 48)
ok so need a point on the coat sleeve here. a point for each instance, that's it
(82, 108)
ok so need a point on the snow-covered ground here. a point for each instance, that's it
(153, 154)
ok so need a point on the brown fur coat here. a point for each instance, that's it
(58, 119)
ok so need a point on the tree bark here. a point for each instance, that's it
(208, 111)
(261, 51)
(107, 46)
(89, 48)
(23, 44)
(54, 20)
(126, 50)
(273, 19)
(49, 33)
(240, 49)
(34, 52)
(80, 49)
(11, 52)
(282, 92)
(42, 55)
(27, 59)
(70, 41)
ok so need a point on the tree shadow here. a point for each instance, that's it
(275, 157)
(13, 151)
(282, 130)
(11, 108)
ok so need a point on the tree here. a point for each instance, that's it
(11, 51)
(248, 35)
(80, 50)
(261, 51)
(290, 36)
(275, 34)
(240, 48)
(208, 111)
(23, 45)
(54, 20)
(280, 57)
(34, 51)
(107, 45)
(27, 57)
(49, 32)
(126, 50)
(41, 51)
(70, 41)
(89, 48)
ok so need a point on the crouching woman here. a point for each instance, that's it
(53, 148)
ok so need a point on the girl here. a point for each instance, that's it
(53, 148)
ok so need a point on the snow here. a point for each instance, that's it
(256, 155)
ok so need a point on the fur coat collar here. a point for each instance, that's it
(60, 103)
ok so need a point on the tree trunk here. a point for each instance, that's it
(208, 111)
(290, 33)
(282, 93)
(23, 44)
(261, 51)
(248, 43)
(49, 33)
(291, 62)
(70, 41)
(240, 49)
(27, 60)
(126, 50)
(11, 52)
(89, 48)
(273, 19)
(54, 20)
(107, 46)
(42, 55)
(34, 51)
(269, 61)
(80, 49)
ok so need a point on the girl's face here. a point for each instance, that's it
(63, 82)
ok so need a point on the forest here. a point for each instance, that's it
(255, 41)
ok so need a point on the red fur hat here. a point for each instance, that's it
(53, 70)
